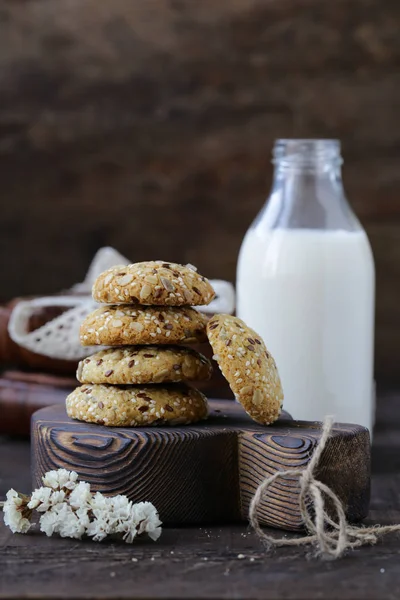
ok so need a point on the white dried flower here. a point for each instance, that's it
(63, 520)
(16, 513)
(119, 508)
(69, 509)
(146, 515)
(98, 529)
(80, 496)
(40, 499)
(100, 526)
(70, 525)
(142, 518)
(99, 503)
(48, 522)
(44, 498)
(57, 497)
(130, 530)
(109, 513)
(60, 479)
(83, 516)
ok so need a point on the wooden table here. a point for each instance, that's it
(209, 562)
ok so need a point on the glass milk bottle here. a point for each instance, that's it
(306, 284)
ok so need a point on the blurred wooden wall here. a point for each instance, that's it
(148, 125)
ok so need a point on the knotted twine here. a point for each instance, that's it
(331, 536)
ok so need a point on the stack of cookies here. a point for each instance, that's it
(141, 378)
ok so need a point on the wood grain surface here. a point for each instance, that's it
(208, 472)
(346, 458)
(207, 562)
(148, 126)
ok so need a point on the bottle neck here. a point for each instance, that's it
(307, 160)
(329, 172)
(307, 189)
(305, 153)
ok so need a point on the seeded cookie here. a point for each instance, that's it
(247, 366)
(129, 325)
(134, 406)
(153, 283)
(144, 364)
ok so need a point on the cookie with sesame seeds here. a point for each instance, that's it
(144, 364)
(137, 405)
(153, 283)
(117, 325)
(247, 366)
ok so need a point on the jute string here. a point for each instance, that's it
(331, 536)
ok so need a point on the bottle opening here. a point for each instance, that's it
(306, 152)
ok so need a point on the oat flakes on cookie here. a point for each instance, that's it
(144, 365)
(135, 406)
(247, 366)
(122, 325)
(153, 283)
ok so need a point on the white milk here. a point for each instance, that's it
(310, 295)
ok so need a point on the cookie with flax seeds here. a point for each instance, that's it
(144, 364)
(137, 405)
(153, 283)
(127, 325)
(247, 366)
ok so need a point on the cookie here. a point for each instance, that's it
(129, 325)
(144, 364)
(247, 366)
(153, 283)
(134, 406)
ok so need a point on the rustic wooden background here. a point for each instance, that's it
(148, 126)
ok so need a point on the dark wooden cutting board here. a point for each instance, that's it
(206, 472)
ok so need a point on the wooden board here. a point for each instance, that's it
(204, 563)
(207, 472)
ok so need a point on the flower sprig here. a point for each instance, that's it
(69, 508)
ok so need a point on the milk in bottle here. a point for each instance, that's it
(306, 284)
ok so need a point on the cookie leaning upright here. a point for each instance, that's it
(247, 366)
(153, 283)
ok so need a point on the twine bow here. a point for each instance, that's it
(331, 536)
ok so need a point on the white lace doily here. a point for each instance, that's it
(59, 338)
